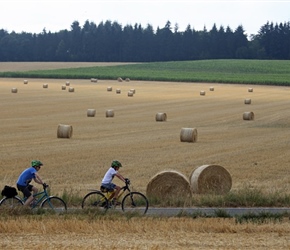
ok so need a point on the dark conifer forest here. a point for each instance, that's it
(111, 42)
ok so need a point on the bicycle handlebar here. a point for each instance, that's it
(127, 181)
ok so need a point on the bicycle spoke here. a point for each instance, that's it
(135, 202)
(95, 200)
(13, 202)
(54, 203)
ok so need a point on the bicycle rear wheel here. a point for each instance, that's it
(11, 202)
(135, 202)
(95, 200)
(54, 203)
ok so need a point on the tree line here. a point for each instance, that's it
(110, 42)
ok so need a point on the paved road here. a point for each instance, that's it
(216, 210)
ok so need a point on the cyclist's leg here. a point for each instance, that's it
(34, 190)
(115, 194)
(26, 190)
(110, 187)
(117, 191)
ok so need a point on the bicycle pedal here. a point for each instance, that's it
(96, 203)
(33, 203)
(116, 203)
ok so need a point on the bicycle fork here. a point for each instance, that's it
(132, 200)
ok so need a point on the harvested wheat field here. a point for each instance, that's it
(255, 152)
(141, 233)
(27, 66)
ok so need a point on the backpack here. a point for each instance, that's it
(9, 192)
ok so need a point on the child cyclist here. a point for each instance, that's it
(108, 178)
(23, 182)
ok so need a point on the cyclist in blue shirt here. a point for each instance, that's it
(23, 182)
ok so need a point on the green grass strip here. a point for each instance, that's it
(263, 72)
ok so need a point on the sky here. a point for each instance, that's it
(33, 16)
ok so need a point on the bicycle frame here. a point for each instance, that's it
(121, 193)
(44, 201)
(44, 194)
(130, 201)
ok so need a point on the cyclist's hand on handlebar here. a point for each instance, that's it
(127, 181)
(44, 185)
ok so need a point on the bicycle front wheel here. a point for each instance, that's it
(13, 202)
(135, 202)
(54, 203)
(95, 200)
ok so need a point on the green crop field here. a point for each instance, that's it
(263, 72)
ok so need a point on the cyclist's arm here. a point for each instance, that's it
(120, 177)
(37, 179)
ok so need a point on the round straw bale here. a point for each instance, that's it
(248, 116)
(250, 89)
(45, 85)
(161, 117)
(127, 79)
(63, 87)
(118, 91)
(14, 90)
(188, 135)
(71, 89)
(210, 179)
(94, 80)
(110, 113)
(25, 81)
(120, 79)
(64, 131)
(211, 89)
(202, 92)
(109, 88)
(130, 93)
(91, 113)
(168, 184)
(247, 101)
(67, 83)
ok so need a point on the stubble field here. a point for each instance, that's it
(254, 152)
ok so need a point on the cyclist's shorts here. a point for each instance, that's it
(26, 190)
(109, 186)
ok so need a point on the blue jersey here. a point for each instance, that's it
(26, 176)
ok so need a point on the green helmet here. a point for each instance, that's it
(36, 163)
(116, 164)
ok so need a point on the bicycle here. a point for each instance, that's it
(134, 202)
(41, 199)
